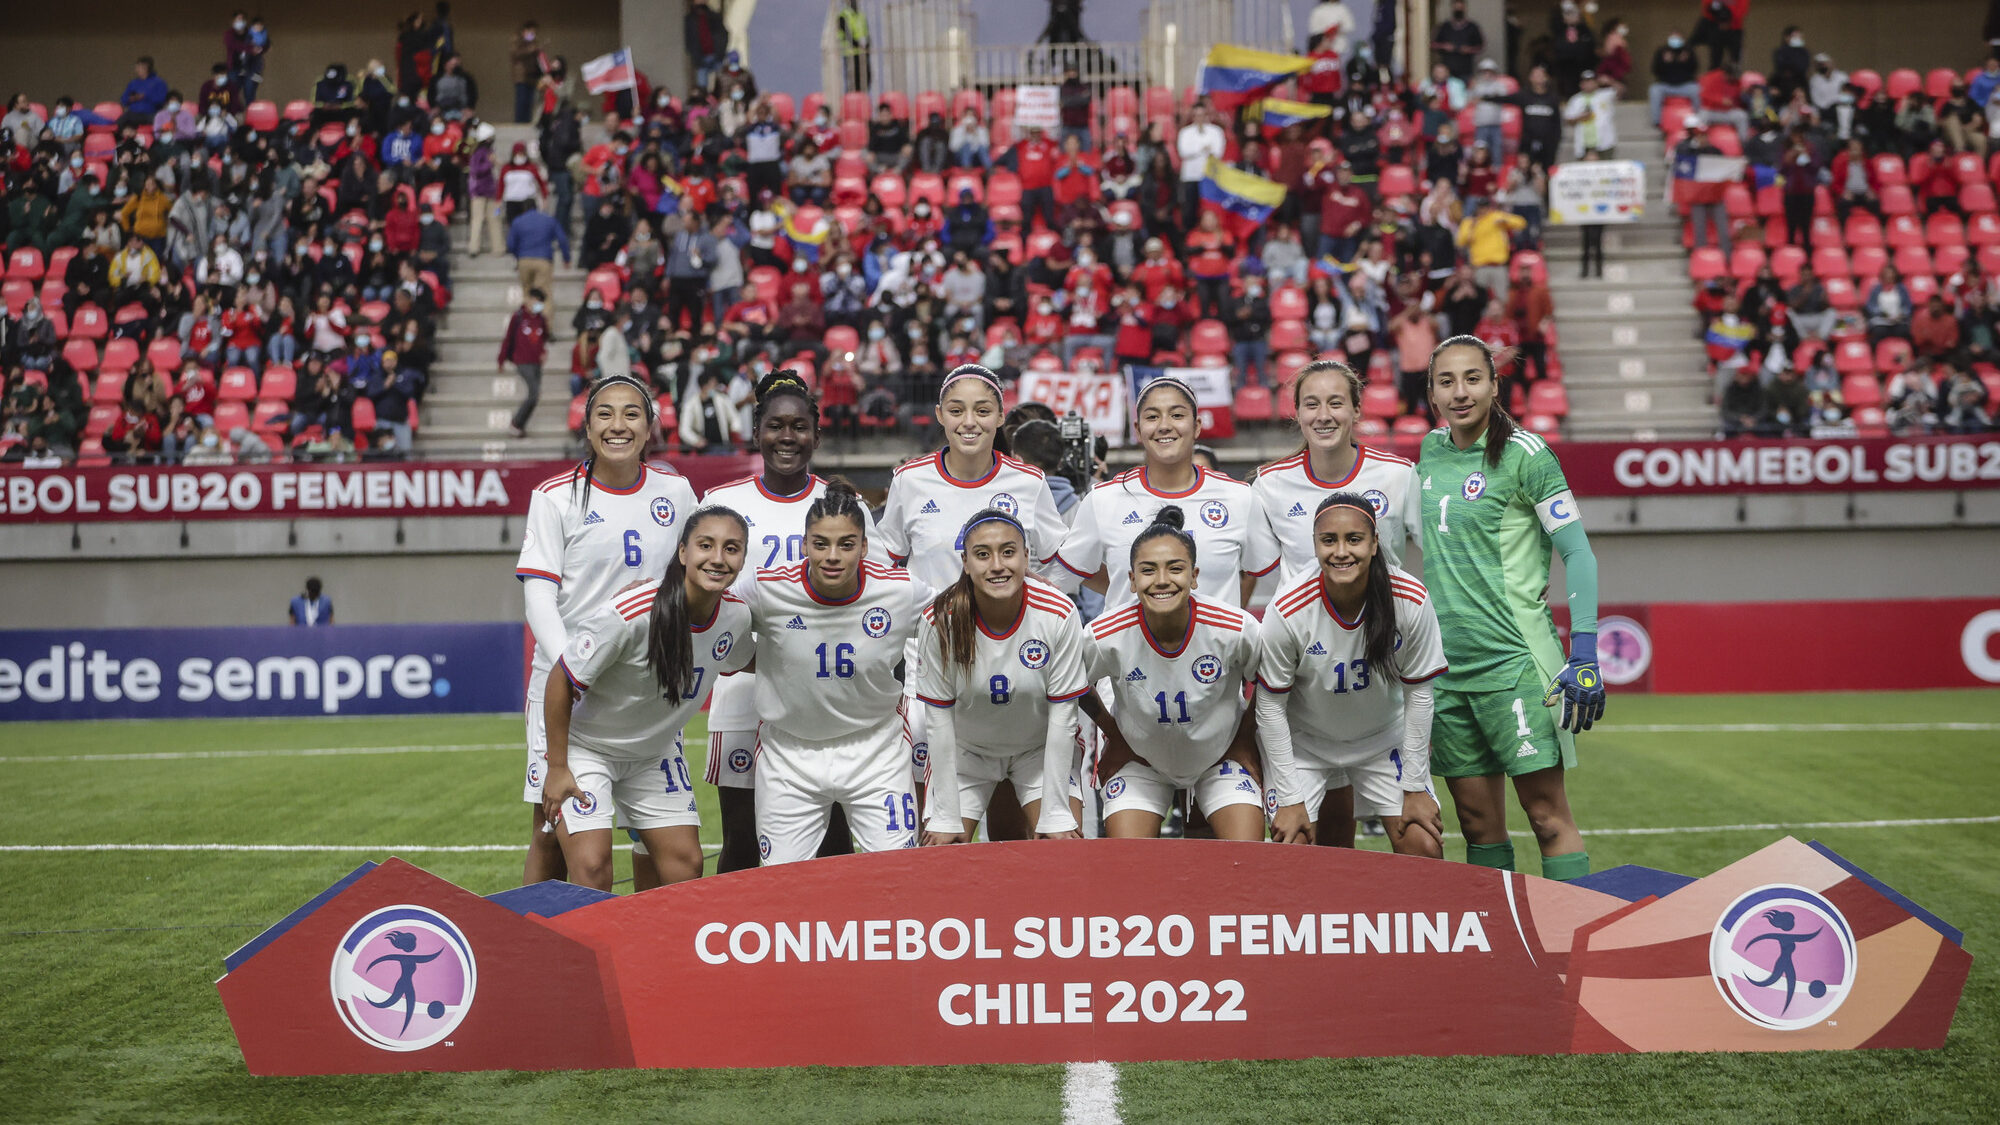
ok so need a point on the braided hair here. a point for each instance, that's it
(669, 648)
(839, 500)
(777, 384)
(588, 478)
(1378, 608)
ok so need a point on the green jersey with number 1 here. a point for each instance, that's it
(1486, 555)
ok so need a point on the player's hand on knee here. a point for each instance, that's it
(1072, 834)
(560, 786)
(938, 839)
(1421, 814)
(1292, 826)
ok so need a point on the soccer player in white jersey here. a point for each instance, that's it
(1219, 510)
(1326, 399)
(1346, 657)
(1177, 665)
(590, 532)
(773, 503)
(634, 670)
(1002, 665)
(830, 633)
(930, 497)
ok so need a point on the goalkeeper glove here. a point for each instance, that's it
(1580, 684)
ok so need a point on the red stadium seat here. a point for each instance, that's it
(849, 191)
(1863, 229)
(1896, 200)
(783, 107)
(1949, 260)
(608, 281)
(1725, 139)
(812, 104)
(1737, 201)
(1214, 361)
(1920, 167)
(1921, 286)
(1410, 426)
(1841, 294)
(899, 106)
(1828, 261)
(1914, 261)
(1209, 337)
(1770, 201)
(1902, 83)
(1001, 134)
(1977, 199)
(1045, 361)
(81, 354)
(15, 293)
(1288, 364)
(1003, 102)
(363, 416)
(89, 323)
(1888, 168)
(1988, 258)
(99, 146)
(841, 338)
(927, 185)
(1904, 230)
(1968, 168)
(1707, 264)
(1861, 389)
(1785, 262)
(268, 413)
(1040, 243)
(25, 264)
(1397, 179)
(1160, 104)
(854, 136)
(237, 384)
(1005, 216)
(850, 166)
(261, 116)
(1547, 425)
(299, 110)
(854, 107)
(1002, 187)
(1867, 262)
(1745, 261)
(164, 354)
(1288, 302)
(961, 180)
(964, 99)
(110, 112)
(1253, 404)
(230, 416)
(119, 355)
(1288, 335)
(1548, 397)
(1121, 101)
(927, 103)
(1532, 261)
(1379, 400)
(110, 387)
(1892, 355)
(280, 384)
(102, 414)
(1937, 84)
(1852, 357)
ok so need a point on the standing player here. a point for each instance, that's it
(785, 426)
(830, 633)
(1177, 665)
(1001, 664)
(1219, 510)
(634, 671)
(1345, 660)
(1326, 398)
(930, 497)
(1495, 502)
(590, 532)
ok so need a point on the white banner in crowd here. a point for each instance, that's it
(1598, 191)
(1037, 105)
(1100, 398)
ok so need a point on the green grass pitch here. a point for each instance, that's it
(107, 958)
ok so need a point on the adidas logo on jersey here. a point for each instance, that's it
(1317, 649)
(1298, 509)
(1134, 676)
(1246, 786)
(930, 508)
(592, 518)
(1133, 517)
(796, 623)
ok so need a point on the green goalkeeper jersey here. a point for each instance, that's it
(1486, 555)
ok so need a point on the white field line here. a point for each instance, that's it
(1090, 1094)
(460, 748)
(1695, 829)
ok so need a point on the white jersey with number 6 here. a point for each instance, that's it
(1289, 494)
(1319, 661)
(1178, 701)
(622, 713)
(590, 548)
(777, 540)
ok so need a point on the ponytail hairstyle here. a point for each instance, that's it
(784, 381)
(1168, 521)
(669, 648)
(1499, 424)
(952, 611)
(589, 463)
(839, 499)
(977, 373)
(1378, 606)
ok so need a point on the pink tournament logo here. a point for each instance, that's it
(1783, 957)
(403, 978)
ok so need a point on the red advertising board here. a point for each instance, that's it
(1706, 647)
(1122, 950)
(1692, 468)
(295, 491)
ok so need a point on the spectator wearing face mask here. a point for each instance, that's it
(971, 145)
(1249, 318)
(526, 346)
(690, 254)
(1674, 74)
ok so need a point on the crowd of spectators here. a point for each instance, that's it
(1849, 287)
(200, 278)
(879, 243)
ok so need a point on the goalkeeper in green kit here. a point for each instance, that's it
(1495, 504)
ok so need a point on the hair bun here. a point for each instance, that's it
(1171, 516)
(784, 378)
(840, 488)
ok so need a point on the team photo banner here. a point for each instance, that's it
(1120, 950)
(259, 671)
(309, 491)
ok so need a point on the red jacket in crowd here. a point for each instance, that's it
(1036, 162)
(527, 339)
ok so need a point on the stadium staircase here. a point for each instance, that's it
(1632, 363)
(466, 412)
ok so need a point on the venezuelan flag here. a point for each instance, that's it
(1326, 265)
(1276, 113)
(1231, 76)
(672, 191)
(1242, 201)
(806, 239)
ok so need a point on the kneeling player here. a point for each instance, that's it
(1346, 657)
(634, 670)
(1000, 668)
(1177, 665)
(830, 633)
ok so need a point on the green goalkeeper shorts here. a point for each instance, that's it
(1482, 733)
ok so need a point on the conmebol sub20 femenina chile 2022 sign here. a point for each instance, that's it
(1127, 950)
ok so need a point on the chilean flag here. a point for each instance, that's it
(614, 71)
(1242, 201)
(1231, 76)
